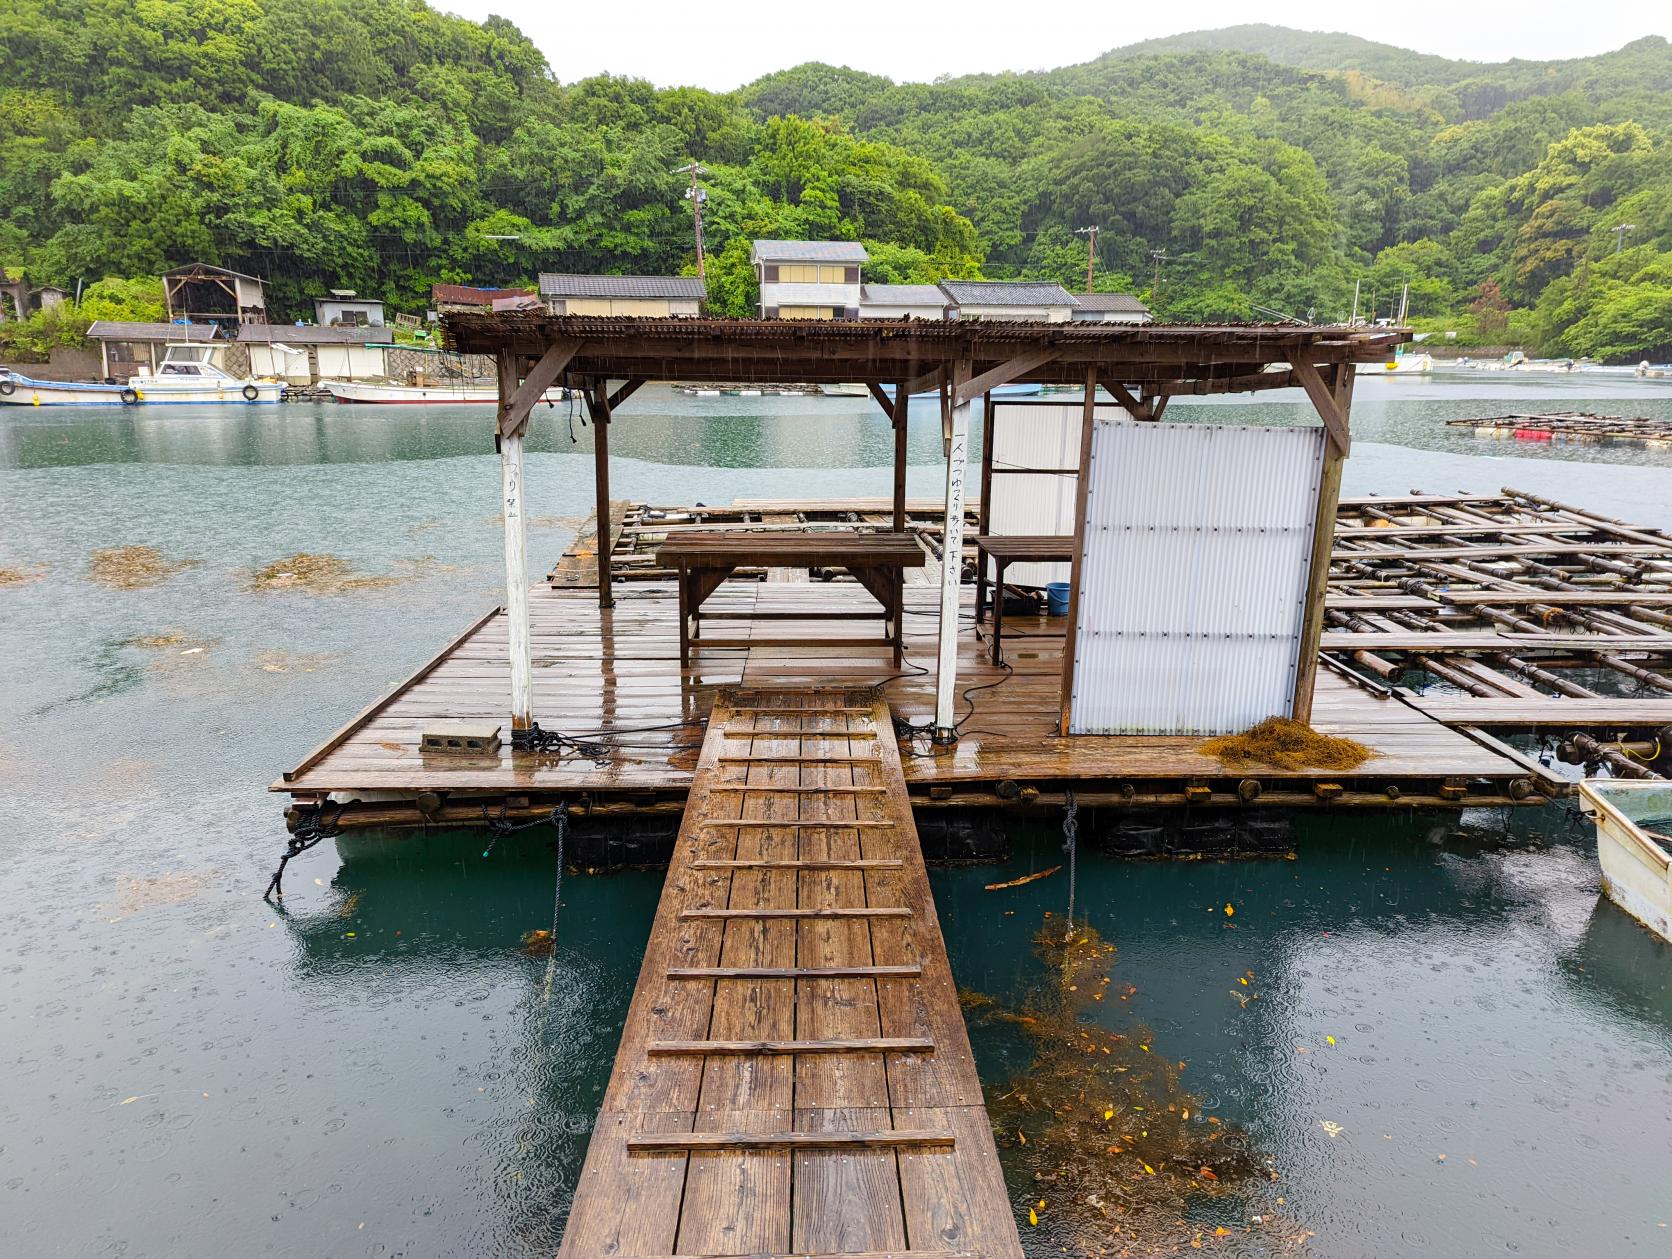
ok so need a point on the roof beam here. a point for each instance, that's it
(514, 411)
(626, 391)
(1003, 374)
(1325, 403)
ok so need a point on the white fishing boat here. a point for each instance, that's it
(844, 391)
(1420, 363)
(187, 376)
(448, 393)
(1634, 836)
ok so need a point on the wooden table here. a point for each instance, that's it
(1005, 550)
(877, 561)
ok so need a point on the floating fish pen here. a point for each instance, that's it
(1571, 426)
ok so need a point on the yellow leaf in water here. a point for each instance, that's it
(1330, 1039)
(126, 1100)
(1033, 1217)
(1042, 1204)
(1109, 1114)
(1243, 980)
(1221, 1231)
(1228, 910)
(1149, 1169)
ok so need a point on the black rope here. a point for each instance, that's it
(311, 827)
(501, 826)
(535, 739)
(1071, 845)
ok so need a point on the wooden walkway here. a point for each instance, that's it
(794, 1075)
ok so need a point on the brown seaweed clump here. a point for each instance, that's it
(310, 573)
(1286, 744)
(1119, 1153)
(537, 943)
(21, 576)
(133, 567)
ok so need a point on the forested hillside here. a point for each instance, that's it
(382, 146)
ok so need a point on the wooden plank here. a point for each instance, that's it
(795, 972)
(807, 863)
(869, 1044)
(866, 911)
(864, 1139)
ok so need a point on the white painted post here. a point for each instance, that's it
(952, 565)
(516, 580)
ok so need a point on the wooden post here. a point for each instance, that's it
(984, 520)
(952, 557)
(902, 411)
(1323, 537)
(1088, 418)
(516, 562)
(598, 402)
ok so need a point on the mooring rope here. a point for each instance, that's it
(559, 819)
(312, 826)
(1070, 845)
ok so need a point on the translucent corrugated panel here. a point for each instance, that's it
(1198, 542)
(1036, 435)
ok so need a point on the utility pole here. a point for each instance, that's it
(1620, 234)
(1160, 256)
(1090, 233)
(697, 196)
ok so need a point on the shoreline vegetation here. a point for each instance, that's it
(1232, 173)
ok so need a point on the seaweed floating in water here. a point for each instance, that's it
(21, 576)
(132, 567)
(1120, 1154)
(315, 574)
(1286, 744)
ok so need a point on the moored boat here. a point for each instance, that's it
(441, 392)
(188, 375)
(1633, 820)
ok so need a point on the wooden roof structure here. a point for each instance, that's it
(1162, 359)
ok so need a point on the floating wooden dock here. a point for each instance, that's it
(1572, 426)
(794, 1074)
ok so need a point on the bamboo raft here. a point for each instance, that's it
(1572, 426)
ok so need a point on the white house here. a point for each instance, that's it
(1110, 308)
(1044, 301)
(901, 301)
(308, 354)
(809, 279)
(640, 296)
(344, 308)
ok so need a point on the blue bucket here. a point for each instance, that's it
(1056, 594)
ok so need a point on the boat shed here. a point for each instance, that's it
(133, 349)
(200, 293)
(1199, 552)
(309, 353)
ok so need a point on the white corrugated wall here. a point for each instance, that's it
(1198, 541)
(1036, 435)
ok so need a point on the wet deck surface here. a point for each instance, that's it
(794, 1074)
(617, 672)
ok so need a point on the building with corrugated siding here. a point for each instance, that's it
(1043, 301)
(636, 296)
(308, 354)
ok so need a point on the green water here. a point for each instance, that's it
(379, 1071)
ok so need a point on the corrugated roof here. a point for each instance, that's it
(1125, 303)
(120, 330)
(465, 294)
(309, 334)
(902, 294)
(563, 285)
(1007, 293)
(809, 251)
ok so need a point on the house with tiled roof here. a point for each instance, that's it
(1041, 301)
(808, 279)
(1110, 308)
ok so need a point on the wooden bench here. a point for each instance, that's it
(877, 561)
(1005, 550)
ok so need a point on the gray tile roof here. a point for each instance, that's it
(119, 330)
(809, 251)
(902, 294)
(555, 285)
(309, 334)
(1125, 303)
(1007, 293)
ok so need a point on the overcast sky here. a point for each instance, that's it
(720, 44)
